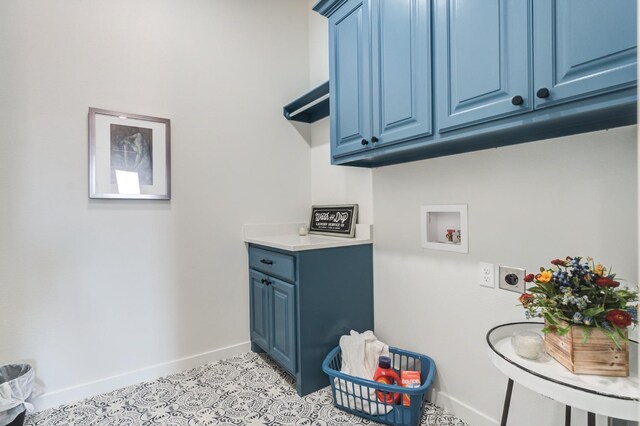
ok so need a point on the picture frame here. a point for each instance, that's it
(337, 220)
(129, 156)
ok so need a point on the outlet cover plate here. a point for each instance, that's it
(486, 275)
(512, 279)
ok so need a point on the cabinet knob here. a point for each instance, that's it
(517, 100)
(543, 93)
(266, 261)
(364, 142)
(374, 139)
(265, 281)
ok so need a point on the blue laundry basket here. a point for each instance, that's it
(353, 394)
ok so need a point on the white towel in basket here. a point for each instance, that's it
(360, 353)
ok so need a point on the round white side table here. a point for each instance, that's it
(616, 397)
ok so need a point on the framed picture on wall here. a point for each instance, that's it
(129, 156)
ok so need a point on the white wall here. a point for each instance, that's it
(527, 204)
(331, 184)
(95, 288)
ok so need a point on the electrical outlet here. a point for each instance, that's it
(511, 279)
(486, 275)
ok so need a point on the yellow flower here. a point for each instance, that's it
(544, 276)
(599, 269)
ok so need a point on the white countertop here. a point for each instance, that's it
(285, 236)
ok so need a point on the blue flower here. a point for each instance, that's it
(633, 311)
(606, 325)
(587, 320)
(577, 318)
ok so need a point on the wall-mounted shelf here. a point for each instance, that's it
(444, 227)
(310, 107)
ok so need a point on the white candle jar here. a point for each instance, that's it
(528, 344)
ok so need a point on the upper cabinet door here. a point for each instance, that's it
(401, 72)
(583, 48)
(483, 57)
(350, 82)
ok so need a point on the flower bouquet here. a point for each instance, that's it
(581, 299)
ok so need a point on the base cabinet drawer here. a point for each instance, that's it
(273, 263)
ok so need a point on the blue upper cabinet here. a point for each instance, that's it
(350, 81)
(401, 70)
(583, 48)
(501, 72)
(380, 78)
(483, 60)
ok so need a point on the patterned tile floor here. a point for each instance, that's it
(245, 390)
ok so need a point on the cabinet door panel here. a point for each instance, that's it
(259, 303)
(583, 47)
(350, 99)
(401, 58)
(483, 60)
(283, 317)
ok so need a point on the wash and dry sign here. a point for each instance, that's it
(334, 220)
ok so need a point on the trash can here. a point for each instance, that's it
(16, 385)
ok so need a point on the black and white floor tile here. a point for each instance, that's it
(245, 390)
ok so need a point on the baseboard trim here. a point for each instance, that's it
(108, 384)
(463, 411)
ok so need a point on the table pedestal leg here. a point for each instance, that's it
(567, 415)
(591, 419)
(507, 403)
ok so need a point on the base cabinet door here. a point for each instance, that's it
(283, 320)
(273, 318)
(260, 308)
(583, 48)
(483, 56)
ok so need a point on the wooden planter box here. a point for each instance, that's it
(599, 355)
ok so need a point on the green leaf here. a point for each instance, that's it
(621, 334)
(592, 312)
(550, 319)
(563, 330)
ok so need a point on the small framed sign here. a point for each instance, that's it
(337, 220)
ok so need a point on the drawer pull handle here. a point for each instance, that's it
(374, 139)
(517, 100)
(265, 281)
(364, 142)
(266, 261)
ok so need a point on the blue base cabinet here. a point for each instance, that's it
(414, 79)
(302, 302)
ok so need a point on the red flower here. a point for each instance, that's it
(619, 318)
(529, 278)
(607, 282)
(525, 298)
(559, 262)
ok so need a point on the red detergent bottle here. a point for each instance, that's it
(385, 374)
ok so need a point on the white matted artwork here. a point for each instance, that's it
(129, 156)
(444, 227)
